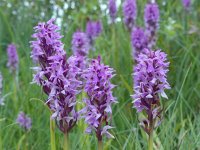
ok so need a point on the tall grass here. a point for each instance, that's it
(180, 128)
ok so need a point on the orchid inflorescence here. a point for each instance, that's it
(13, 60)
(56, 74)
(150, 81)
(151, 18)
(24, 121)
(138, 41)
(93, 30)
(112, 6)
(130, 13)
(100, 98)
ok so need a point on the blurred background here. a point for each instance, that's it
(178, 36)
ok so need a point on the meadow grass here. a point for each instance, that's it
(181, 124)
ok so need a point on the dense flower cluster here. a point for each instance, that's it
(13, 60)
(93, 30)
(81, 62)
(24, 121)
(1, 88)
(56, 74)
(151, 18)
(150, 80)
(80, 44)
(112, 9)
(47, 43)
(138, 40)
(186, 4)
(98, 105)
(130, 13)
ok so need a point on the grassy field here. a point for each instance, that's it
(178, 36)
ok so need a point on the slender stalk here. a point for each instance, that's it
(52, 132)
(19, 145)
(115, 52)
(81, 122)
(150, 142)
(66, 142)
(1, 143)
(26, 140)
(113, 38)
(15, 86)
(100, 145)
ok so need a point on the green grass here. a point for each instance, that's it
(181, 125)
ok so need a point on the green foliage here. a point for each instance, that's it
(180, 127)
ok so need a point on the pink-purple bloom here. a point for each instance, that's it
(93, 30)
(138, 40)
(186, 4)
(81, 62)
(151, 18)
(80, 43)
(13, 60)
(112, 9)
(24, 121)
(150, 81)
(100, 98)
(56, 74)
(47, 43)
(130, 13)
(80, 47)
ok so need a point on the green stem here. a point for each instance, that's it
(66, 142)
(115, 52)
(100, 145)
(52, 132)
(1, 143)
(15, 90)
(19, 145)
(26, 141)
(150, 142)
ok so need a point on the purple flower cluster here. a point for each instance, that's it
(130, 13)
(98, 105)
(56, 74)
(138, 40)
(13, 60)
(24, 121)
(1, 88)
(80, 44)
(151, 18)
(186, 4)
(112, 10)
(81, 62)
(150, 80)
(47, 43)
(93, 30)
